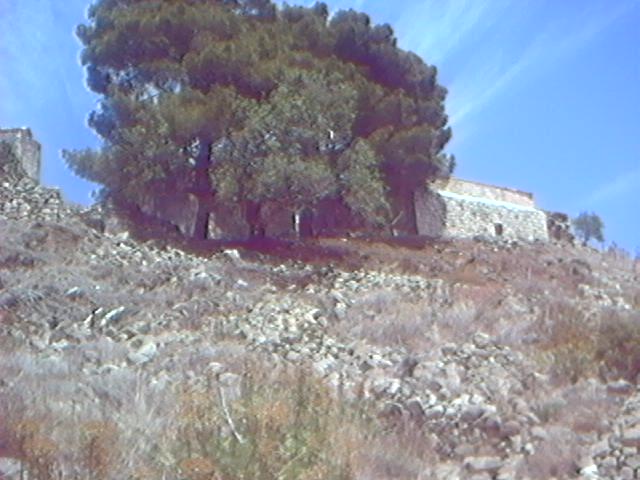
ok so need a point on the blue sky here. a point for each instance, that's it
(544, 95)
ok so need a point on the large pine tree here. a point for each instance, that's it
(236, 101)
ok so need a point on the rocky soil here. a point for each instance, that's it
(499, 356)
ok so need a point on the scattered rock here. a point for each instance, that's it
(631, 437)
(600, 449)
(9, 467)
(144, 353)
(590, 472)
(483, 464)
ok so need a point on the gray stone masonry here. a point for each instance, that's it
(26, 149)
(460, 208)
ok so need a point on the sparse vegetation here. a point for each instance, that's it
(278, 425)
(373, 360)
(581, 343)
(284, 426)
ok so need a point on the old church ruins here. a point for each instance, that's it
(446, 208)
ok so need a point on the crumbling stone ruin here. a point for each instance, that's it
(458, 208)
(26, 149)
(21, 194)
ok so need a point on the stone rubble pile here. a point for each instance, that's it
(25, 199)
(617, 454)
(467, 395)
(604, 297)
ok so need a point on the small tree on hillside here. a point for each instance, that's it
(589, 226)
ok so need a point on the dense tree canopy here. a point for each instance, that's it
(236, 101)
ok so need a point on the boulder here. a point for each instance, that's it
(483, 464)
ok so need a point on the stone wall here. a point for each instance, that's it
(431, 213)
(481, 190)
(26, 149)
(24, 199)
(457, 208)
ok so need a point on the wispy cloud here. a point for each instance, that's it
(490, 64)
(624, 184)
(548, 48)
(435, 28)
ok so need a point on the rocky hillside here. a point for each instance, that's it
(369, 360)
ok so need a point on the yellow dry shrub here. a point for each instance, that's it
(36, 451)
(99, 448)
(198, 468)
(284, 426)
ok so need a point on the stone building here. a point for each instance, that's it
(460, 208)
(26, 149)
(21, 195)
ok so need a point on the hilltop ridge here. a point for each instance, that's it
(469, 359)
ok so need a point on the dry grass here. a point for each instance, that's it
(64, 423)
(406, 452)
(555, 457)
(80, 412)
(388, 318)
(285, 426)
(618, 346)
(579, 344)
(393, 319)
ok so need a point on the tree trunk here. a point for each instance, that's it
(203, 190)
(296, 224)
(303, 223)
(306, 223)
(408, 220)
(201, 226)
(253, 217)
